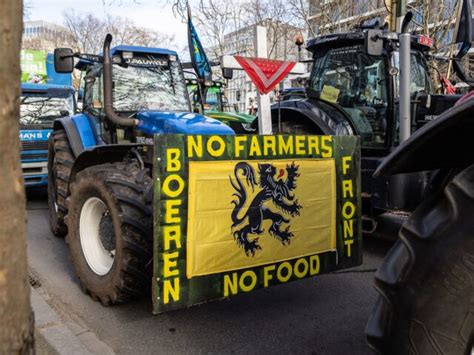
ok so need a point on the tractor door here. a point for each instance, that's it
(93, 101)
(425, 104)
(351, 79)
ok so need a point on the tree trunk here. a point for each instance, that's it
(15, 312)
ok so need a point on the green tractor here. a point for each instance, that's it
(217, 106)
(354, 89)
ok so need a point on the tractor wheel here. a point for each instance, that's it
(110, 231)
(60, 162)
(426, 281)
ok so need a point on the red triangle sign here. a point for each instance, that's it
(265, 73)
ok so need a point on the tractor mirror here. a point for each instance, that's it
(227, 73)
(63, 60)
(373, 42)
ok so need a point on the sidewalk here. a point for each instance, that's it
(53, 336)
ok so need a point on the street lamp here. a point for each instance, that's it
(299, 41)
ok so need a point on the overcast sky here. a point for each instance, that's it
(145, 13)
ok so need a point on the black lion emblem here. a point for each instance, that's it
(279, 191)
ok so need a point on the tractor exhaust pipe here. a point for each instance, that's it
(404, 87)
(109, 109)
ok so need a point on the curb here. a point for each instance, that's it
(53, 336)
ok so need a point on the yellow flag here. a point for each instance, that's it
(250, 213)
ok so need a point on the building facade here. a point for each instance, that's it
(431, 17)
(240, 91)
(45, 36)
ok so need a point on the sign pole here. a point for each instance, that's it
(264, 112)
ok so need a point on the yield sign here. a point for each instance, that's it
(265, 73)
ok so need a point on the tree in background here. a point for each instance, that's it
(215, 19)
(88, 32)
(16, 330)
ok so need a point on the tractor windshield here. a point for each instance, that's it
(213, 98)
(355, 81)
(149, 84)
(43, 110)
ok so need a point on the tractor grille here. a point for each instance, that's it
(34, 145)
(39, 155)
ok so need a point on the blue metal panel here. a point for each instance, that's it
(85, 130)
(81, 64)
(152, 122)
(47, 89)
(52, 76)
(138, 49)
(26, 156)
(36, 180)
(34, 135)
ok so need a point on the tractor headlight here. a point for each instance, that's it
(340, 128)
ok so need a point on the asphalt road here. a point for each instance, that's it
(321, 315)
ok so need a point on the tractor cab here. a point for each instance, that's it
(365, 86)
(217, 106)
(353, 89)
(148, 87)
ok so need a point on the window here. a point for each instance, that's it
(353, 80)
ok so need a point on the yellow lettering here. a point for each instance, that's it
(348, 210)
(348, 243)
(266, 275)
(326, 145)
(167, 185)
(253, 281)
(313, 145)
(172, 159)
(301, 273)
(172, 233)
(215, 152)
(269, 143)
(348, 228)
(239, 144)
(169, 290)
(347, 188)
(172, 212)
(195, 146)
(345, 164)
(286, 265)
(300, 145)
(314, 265)
(169, 262)
(285, 147)
(255, 147)
(230, 284)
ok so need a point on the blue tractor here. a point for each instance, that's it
(100, 161)
(40, 105)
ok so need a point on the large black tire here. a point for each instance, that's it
(60, 163)
(126, 228)
(426, 281)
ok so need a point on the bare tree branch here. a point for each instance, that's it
(88, 32)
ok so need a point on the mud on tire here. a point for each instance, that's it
(126, 227)
(426, 281)
(60, 162)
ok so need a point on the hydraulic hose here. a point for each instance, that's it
(109, 109)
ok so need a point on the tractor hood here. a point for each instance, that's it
(231, 116)
(153, 122)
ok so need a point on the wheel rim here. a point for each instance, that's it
(98, 258)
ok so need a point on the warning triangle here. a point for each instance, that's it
(265, 73)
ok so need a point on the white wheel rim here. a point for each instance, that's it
(98, 258)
